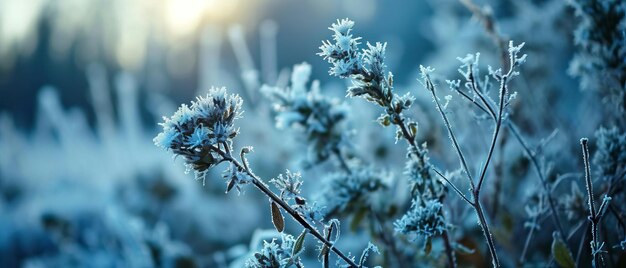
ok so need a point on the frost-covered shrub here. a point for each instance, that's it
(276, 254)
(601, 61)
(422, 221)
(610, 156)
(213, 117)
(304, 108)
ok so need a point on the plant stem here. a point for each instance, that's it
(486, 232)
(449, 249)
(431, 87)
(292, 212)
(476, 188)
(594, 215)
(531, 155)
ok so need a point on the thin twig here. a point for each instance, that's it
(531, 155)
(258, 183)
(475, 190)
(431, 87)
(453, 187)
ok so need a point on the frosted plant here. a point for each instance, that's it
(348, 193)
(351, 190)
(610, 156)
(422, 220)
(283, 254)
(203, 134)
(371, 82)
(601, 61)
(421, 175)
(196, 132)
(595, 215)
(367, 70)
(318, 117)
(498, 113)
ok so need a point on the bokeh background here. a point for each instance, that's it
(83, 84)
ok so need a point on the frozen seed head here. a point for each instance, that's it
(343, 53)
(423, 220)
(192, 131)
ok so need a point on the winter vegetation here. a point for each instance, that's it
(474, 134)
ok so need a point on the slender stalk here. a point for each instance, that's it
(594, 215)
(431, 87)
(531, 155)
(486, 232)
(449, 250)
(494, 139)
(476, 188)
(453, 187)
(292, 212)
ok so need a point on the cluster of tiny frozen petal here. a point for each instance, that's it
(370, 79)
(311, 212)
(303, 108)
(366, 67)
(343, 53)
(610, 156)
(276, 255)
(347, 193)
(236, 177)
(193, 130)
(422, 221)
(289, 184)
(601, 61)
(419, 171)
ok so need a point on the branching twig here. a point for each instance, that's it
(258, 183)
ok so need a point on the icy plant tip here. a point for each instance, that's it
(195, 131)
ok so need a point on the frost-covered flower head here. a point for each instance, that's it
(276, 255)
(304, 108)
(343, 54)
(422, 220)
(193, 130)
(418, 169)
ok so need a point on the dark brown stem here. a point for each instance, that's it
(486, 232)
(449, 250)
(292, 212)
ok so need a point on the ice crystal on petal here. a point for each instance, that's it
(422, 220)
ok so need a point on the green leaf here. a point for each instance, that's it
(298, 245)
(277, 218)
(561, 253)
